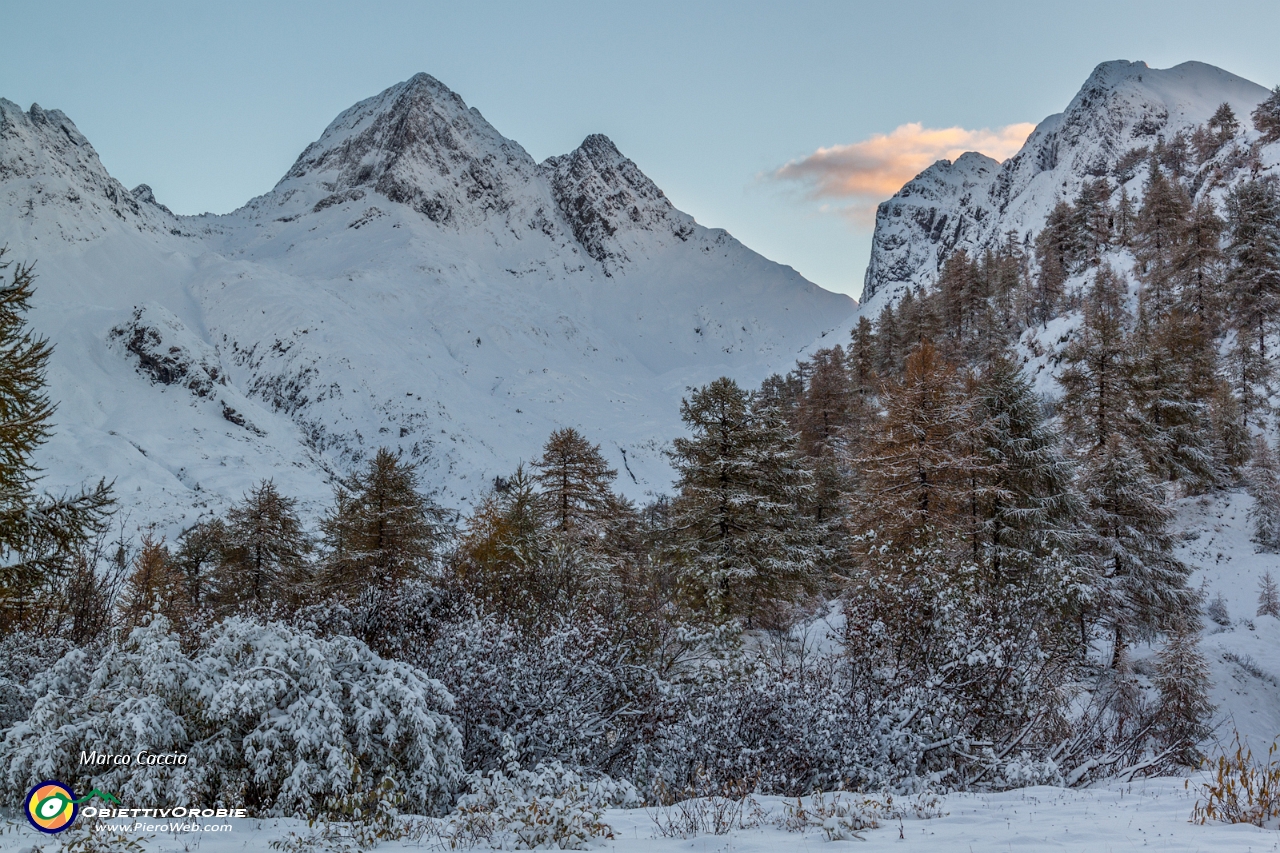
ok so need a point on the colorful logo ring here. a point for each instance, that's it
(51, 806)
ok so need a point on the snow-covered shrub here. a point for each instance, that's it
(1217, 611)
(23, 656)
(549, 807)
(578, 689)
(269, 718)
(1025, 770)
(790, 732)
(707, 807)
(841, 818)
(358, 822)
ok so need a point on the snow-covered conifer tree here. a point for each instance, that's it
(575, 484)
(265, 555)
(1098, 366)
(1253, 281)
(39, 535)
(1263, 477)
(744, 543)
(1182, 680)
(1266, 116)
(1268, 596)
(1142, 585)
(1030, 507)
(917, 468)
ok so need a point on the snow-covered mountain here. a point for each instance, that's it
(1123, 108)
(415, 280)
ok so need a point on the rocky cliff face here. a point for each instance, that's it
(1115, 118)
(605, 198)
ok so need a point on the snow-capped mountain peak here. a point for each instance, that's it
(1122, 110)
(48, 166)
(414, 281)
(603, 196)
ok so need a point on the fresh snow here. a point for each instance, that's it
(1141, 815)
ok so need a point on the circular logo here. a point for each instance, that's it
(51, 806)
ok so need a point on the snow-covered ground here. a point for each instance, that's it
(1244, 657)
(1144, 814)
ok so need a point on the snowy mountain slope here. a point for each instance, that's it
(1123, 107)
(415, 280)
(1243, 655)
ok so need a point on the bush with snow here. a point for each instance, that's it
(270, 718)
(549, 807)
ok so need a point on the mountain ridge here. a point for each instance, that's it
(414, 280)
(1121, 107)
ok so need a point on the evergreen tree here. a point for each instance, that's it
(1029, 508)
(1253, 280)
(1158, 232)
(381, 531)
(1142, 585)
(1231, 441)
(264, 560)
(1182, 682)
(1197, 268)
(1058, 249)
(1263, 477)
(1096, 379)
(1268, 596)
(575, 485)
(1124, 218)
(746, 550)
(1175, 372)
(40, 535)
(1266, 117)
(1224, 123)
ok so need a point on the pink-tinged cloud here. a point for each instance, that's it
(865, 173)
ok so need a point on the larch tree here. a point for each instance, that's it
(40, 535)
(1158, 231)
(1058, 248)
(155, 585)
(916, 469)
(265, 558)
(381, 531)
(823, 421)
(576, 485)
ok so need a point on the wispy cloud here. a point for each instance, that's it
(865, 173)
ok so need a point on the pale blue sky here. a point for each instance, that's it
(210, 103)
